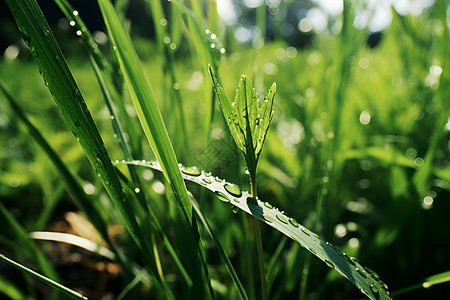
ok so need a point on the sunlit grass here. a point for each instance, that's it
(358, 152)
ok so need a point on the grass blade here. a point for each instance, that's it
(73, 185)
(366, 280)
(146, 105)
(61, 84)
(222, 252)
(44, 279)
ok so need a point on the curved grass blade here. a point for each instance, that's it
(146, 105)
(365, 279)
(61, 84)
(44, 279)
(75, 189)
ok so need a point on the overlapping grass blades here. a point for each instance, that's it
(365, 279)
(62, 86)
(146, 105)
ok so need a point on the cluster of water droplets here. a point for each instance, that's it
(231, 193)
(214, 43)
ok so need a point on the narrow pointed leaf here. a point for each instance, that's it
(146, 105)
(366, 280)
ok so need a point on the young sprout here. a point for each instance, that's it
(248, 119)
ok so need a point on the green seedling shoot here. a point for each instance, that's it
(248, 119)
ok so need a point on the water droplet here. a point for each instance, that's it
(293, 222)
(75, 13)
(45, 31)
(222, 50)
(213, 36)
(268, 205)
(375, 290)
(205, 180)
(347, 258)
(235, 209)
(213, 45)
(222, 196)
(252, 200)
(219, 179)
(305, 231)
(79, 33)
(329, 263)
(268, 219)
(208, 174)
(137, 190)
(72, 23)
(233, 189)
(25, 38)
(361, 272)
(282, 219)
(316, 235)
(207, 31)
(57, 58)
(193, 171)
(247, 171)
(33, 51)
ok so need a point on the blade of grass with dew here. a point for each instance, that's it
(146, 105)
(44, 279)
(110, 80)
(173, 97)
(366, 280)
(62, 86)
(209, 49)
(88, 206)
(152, 123)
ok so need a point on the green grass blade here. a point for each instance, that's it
(61, 84)
(75, 189)
(367, 281)
(9, 290)
(146, 105)
(44, 279)
(222, 252)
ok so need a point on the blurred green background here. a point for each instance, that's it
(360, 136)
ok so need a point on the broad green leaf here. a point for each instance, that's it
(365, 279)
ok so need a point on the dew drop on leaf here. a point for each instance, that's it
(193, 171)
(268, 205)
(282, 219)
(205, 180)
(222, 196)
(305, 231)
(268, 219)
(235, 209)
(293, 222)
(233, 189)
(329, 263)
